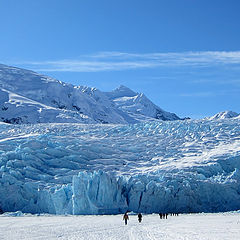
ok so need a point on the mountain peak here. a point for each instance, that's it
(123, 87)
(123, 91)
(224, 115)
(138, 104)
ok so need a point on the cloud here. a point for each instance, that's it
(120, 61)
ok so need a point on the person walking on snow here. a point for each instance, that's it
(139, 217)
(125, 217)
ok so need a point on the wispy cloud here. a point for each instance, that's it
(234, 82)
(118, 61)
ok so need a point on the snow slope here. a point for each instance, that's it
(17, 109)
(180, 166)
(187, 226)
(29, 97)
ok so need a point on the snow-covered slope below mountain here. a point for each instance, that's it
(44, 99)
(173, 166)
(137, 103)
(224, 115)
(17, 109)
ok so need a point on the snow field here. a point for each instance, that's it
(224, 226)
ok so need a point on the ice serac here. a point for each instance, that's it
(97, 193)
(177, 166)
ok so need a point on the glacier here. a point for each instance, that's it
(149, 167)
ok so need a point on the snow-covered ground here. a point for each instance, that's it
(221, 226)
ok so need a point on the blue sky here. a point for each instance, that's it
(183, 54)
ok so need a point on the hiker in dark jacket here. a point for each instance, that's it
(139, 217)
(125, 218)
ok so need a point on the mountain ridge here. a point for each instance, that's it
(224, 115)
(64, 102)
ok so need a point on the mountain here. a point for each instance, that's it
(17, 109)
(29, 97)
(44, 99)
(224, 115)
(137, 104)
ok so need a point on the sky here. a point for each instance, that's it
(184, 55)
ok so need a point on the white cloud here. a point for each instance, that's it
(117, 61)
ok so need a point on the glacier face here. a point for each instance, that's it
(180, 166)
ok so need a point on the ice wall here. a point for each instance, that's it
(100, 193)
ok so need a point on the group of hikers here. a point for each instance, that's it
(126, 218)
(161, 215)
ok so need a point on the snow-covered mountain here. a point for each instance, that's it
(224, 115)
(137, 104)
(44, 99)
(17, 109)
(173, 166)
(29, 97)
